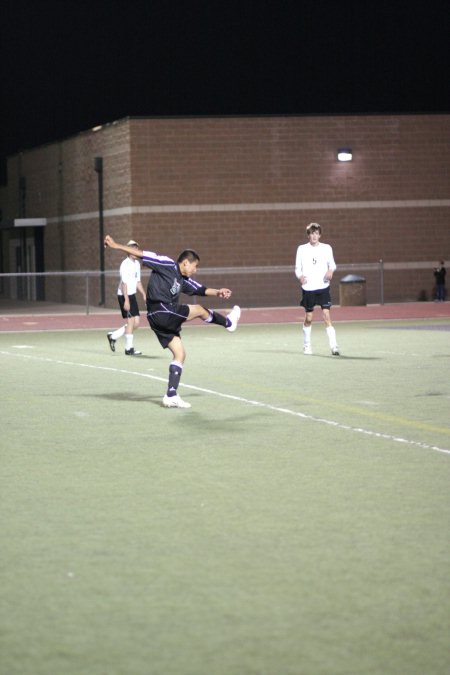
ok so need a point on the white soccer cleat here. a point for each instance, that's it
(335, 351)
(174, 402)
(307, 349)
(234, 317)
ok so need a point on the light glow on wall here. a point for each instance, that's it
(344, 155)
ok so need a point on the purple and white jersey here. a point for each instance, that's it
(166, 282)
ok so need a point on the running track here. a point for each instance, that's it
(60, 317)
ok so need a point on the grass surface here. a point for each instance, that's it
(294, 521)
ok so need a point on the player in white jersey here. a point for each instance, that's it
(129, 284)
(314, 268)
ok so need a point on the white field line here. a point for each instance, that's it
(241, 399)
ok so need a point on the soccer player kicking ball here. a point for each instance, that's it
(165, 313)
(314, 267)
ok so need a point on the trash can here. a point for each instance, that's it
(352, 291)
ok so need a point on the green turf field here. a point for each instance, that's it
(295, 521)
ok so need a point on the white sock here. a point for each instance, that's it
(331, 336)
(118, 333)
(307, 335)
(128, 340)
(209, 318)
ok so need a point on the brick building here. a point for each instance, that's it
(241, 191)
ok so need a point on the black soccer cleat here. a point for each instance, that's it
(112, 343)
(132, 352)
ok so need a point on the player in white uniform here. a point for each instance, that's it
(129, 284)
(314, 268)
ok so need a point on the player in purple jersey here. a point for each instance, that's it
(166, 314)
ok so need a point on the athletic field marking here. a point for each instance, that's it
(351, 408)
(241, 399)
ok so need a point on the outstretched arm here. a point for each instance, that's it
(218, 292)
(129, 250)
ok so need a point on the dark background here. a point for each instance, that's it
(70, 65)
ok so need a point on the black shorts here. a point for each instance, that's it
(134, 309)
(312, 298)
(166, 319)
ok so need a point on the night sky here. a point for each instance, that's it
(67, 66)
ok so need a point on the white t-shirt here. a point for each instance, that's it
(313, 262)
(130, 274)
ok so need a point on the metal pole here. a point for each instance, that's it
(381, 282)
(23, 282)
(87, 293)
(98, 166)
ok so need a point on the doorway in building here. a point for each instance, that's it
(26, 257)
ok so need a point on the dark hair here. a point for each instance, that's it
(313, 227)
(188, 254)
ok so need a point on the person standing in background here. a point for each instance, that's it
(129, 284)
(439, 275)
(314, 268)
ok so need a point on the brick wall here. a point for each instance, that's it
(243, 162)
(62, 185)
(242, 190)
(289, 159)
